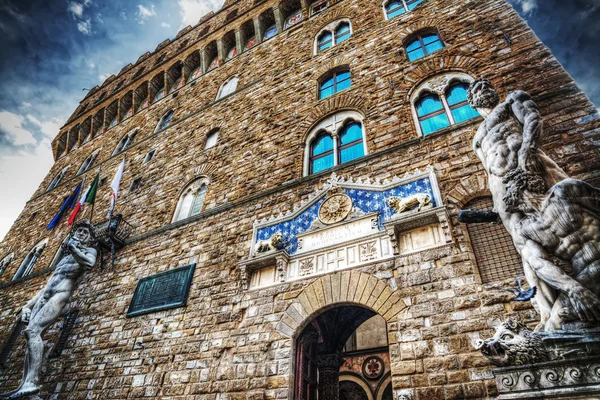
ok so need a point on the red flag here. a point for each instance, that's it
(78, 206)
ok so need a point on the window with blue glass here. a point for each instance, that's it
(431, 113)
(334, 83)
(393, 8)
(423, 45)
(325, 41)
(351, 142)
(342, 32)
(461, 110)
(165, 121)
(439, 107)
(334, 33)
(270, 32)
(321, 153)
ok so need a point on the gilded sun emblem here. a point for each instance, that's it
(335, 209)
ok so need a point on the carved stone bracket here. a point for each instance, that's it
(280, 259)
(407, 221)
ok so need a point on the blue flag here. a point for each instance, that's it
(68, 203)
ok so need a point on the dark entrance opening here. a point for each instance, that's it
(342, 354)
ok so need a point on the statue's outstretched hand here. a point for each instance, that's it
(585, 303)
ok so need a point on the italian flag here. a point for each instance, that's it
(89, 196)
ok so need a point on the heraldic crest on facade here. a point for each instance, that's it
(348, 223)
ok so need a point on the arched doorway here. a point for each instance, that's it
(342, 354)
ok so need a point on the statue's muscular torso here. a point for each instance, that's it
(498, 140)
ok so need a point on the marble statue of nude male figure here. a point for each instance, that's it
(52, 303)
(554, 221)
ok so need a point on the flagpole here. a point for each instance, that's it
(94, 203)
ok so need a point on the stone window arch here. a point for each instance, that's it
(5, 262)
(193, 66)
(164, 121)
(393, 8)
(422, 43)
(157, 87)
(175, 77)
(125, 142)
(291, 12)
(332, 34)
(191, 199)
(336, 139)
(227, 88)
(248, 35)
(88, 162)
(441, 101)
(495, 253)
(30, 260)
(57, 178)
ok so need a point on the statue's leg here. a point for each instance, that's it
(544, 297)
(45, 316)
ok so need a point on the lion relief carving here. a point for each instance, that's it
(271, 244)
(402, 204)
(514, 344)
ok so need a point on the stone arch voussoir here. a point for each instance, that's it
(409, 30)
(347, 287)
(433, 66)
(338, 102)
(466, 190)
(332, 64)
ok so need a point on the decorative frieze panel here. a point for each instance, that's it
(353, 254)
(366, 196)
(348, 224)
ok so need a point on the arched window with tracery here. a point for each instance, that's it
(191, 201)
(335, 140)
(88, 162)
(165, 121)
(393, 8)
(423, 44)
(227, 88)
(441, 101)
(56, 180)
(5, 262)
(30, 260)
(125, 142)
(333, 34)
(494, 250)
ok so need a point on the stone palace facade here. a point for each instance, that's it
(288, 212)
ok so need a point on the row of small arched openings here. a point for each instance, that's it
(199, 62)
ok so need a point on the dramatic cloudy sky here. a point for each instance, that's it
(52, 49)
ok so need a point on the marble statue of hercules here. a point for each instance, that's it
(554, 221)
(52, 303)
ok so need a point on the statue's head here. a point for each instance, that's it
(84, 232)
(482, 94)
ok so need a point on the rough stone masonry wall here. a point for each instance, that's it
(232, 344)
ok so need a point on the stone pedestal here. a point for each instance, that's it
(573, 371)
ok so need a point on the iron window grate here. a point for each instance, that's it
(494, 250)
